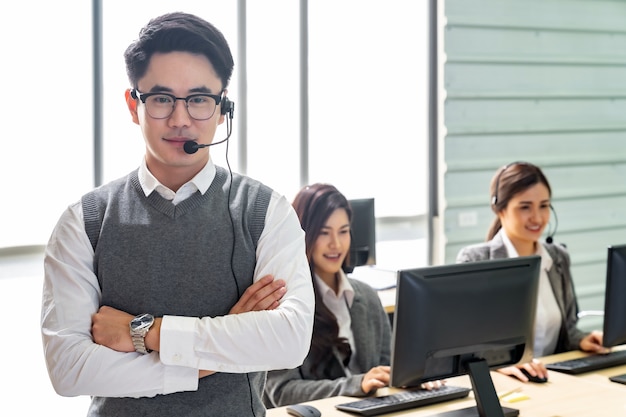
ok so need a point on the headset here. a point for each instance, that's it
(494, 197)
(550, 237)
(228, 107)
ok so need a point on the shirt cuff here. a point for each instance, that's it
(177, 341)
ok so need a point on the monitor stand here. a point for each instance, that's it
(487, 402)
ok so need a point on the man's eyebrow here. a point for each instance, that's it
(162, 89)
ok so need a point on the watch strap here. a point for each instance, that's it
(139, 341)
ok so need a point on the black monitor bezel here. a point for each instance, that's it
(404, 358)
(614, 323)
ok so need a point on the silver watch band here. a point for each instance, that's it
(140, 344)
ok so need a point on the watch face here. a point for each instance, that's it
(141, 322)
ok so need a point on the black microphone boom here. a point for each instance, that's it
(192, 147)
(550, 237)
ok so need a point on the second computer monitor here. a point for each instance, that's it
(448, 315)
(363, 231)
(615, 297)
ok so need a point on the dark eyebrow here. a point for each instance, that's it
(345, 226)
(162, 89)
(530, 202)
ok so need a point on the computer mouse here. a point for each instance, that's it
(303, 410)
(531, 378)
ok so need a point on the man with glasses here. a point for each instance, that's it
(172, 290)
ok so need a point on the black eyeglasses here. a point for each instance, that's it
(200, 106)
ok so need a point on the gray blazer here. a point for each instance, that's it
(372, 335)
(560, 279)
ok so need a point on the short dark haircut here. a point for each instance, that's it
(182, 32)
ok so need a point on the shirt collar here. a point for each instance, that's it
(546, 259)
(201, 181)
(345, 288)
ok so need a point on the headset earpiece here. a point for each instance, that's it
(494, 197)
(133, 94)
(228, 107)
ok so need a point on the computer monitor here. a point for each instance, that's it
(363, 246)
(614, 326)
(465, 318)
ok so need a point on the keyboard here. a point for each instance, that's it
(589, 363)
(374, 406)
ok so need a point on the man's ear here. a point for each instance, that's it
(132, 105)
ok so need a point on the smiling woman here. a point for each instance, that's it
(350, 350)
(520, 200)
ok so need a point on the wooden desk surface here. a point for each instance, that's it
(586, 395)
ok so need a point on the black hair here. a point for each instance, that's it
(183, 32)
(314, 204)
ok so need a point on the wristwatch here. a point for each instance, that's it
(139, 327)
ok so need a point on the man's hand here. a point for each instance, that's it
(110, 328)
(265, 294)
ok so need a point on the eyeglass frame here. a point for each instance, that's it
(135, 93)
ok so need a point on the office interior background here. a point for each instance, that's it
(414, 103)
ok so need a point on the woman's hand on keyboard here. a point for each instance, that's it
(377, 377)
(430, 385)
(593, 343)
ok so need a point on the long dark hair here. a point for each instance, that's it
(509, 181)
(314, 204)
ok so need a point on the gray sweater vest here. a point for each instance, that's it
(193, 259)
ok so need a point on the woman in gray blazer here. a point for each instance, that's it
(520, 198)
(351, 345)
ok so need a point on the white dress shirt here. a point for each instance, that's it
(548, 317)
(248, 342)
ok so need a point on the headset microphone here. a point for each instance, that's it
(228, 107)
(192, 147)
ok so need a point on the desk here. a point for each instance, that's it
(588, 395)
(382, 280)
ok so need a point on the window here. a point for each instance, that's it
(46, 160)
(367, 104)
(368, 100)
